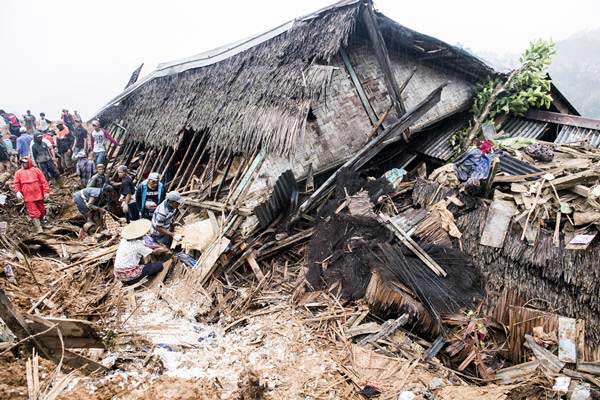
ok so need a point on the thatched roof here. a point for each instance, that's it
(255, 93)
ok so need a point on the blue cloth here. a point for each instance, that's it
(23, 143)
(9, 145)
(473, 165)
(186, 259)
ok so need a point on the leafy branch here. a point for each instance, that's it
(524, 88)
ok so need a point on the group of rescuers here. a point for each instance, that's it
(150, 212)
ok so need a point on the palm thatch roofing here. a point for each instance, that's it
(257, 93)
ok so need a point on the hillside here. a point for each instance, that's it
(576, 71)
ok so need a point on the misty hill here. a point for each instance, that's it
(575, 69)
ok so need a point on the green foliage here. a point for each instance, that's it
(528, 88)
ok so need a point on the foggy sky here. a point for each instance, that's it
(79, 54)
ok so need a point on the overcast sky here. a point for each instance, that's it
(79, 54)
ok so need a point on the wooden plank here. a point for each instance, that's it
(358, 86)
(572, 180)
(363, 329)
(517, 373)
(206, 264)
(563, 119)
(544, 356)
(497, 222)
(255, 267)
(412, 245)
(160, 278)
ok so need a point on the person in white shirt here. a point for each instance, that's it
(129, 265)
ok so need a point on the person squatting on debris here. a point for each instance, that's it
(126, 195)
(31, 186)
(162, 220)
(131, 251)
(99, 179)
(42, 157)
(98, 142)
(64, 141)
(85, 168)
(91, 199)
(149, 194)
(14, 126)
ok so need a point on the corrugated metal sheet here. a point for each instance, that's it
(573, 134)
(513, 166)
(439, 147)
(522, 127)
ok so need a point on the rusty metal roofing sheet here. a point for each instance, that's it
(521, 127)
(573, 134)
(439, 146)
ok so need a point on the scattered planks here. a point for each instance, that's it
(51, 336)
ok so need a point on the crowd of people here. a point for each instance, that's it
(48, 151)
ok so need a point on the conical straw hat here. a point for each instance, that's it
(136, 229)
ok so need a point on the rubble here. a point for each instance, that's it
(374, 276)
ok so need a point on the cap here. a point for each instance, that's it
(174, 196)
(154, 176)
(80, 155)
(22, 129)
(24, 159)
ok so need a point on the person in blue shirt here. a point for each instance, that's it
(24, 143)
(149, 194)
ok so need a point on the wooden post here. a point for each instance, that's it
(183, 161)
(164, 170)
(158, 158)
(194, 162)
(199, 149)
(383, 58)
(225, 173)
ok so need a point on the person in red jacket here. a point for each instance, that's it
(31, 186)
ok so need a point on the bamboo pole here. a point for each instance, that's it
(183, 161)
(190, 162)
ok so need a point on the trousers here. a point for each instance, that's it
(36, 209)
(148, 270)
(49, 169)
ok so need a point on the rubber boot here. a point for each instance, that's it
(37, 225)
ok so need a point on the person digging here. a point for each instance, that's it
(91, 200)
(129, 267)
(31, 186)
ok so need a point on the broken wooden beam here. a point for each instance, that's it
(387, 329)
(412, 245)
(383, 58)
(365, 154)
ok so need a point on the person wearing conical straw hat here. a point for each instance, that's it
(129, 265)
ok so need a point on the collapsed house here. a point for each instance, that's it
(311, 95)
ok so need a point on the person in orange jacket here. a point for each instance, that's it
(31, 186)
